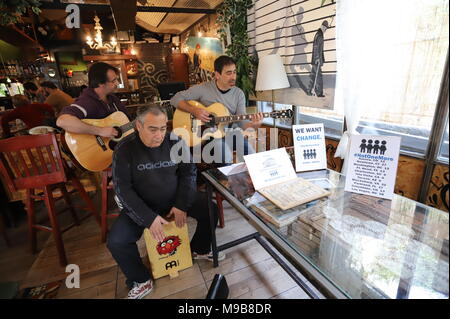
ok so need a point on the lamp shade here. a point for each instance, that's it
(271, 74)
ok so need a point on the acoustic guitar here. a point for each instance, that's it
(93, 152)
(194, 131)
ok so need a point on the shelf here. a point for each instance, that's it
(107, 57)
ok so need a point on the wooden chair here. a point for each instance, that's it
(34, 163)
(106, 176)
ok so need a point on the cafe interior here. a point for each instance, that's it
(378, 69)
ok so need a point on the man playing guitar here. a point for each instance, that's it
(95, 102)
(222, 90)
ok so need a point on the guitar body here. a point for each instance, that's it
(87, 151)
(190, 128)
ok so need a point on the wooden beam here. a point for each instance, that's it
(103, 7)
(108, 57)
(176, 10)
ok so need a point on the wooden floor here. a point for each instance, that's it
(249, 270)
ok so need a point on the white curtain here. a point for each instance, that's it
(386, 53)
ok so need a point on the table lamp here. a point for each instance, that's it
(271, 76)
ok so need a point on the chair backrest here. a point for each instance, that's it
(31, 161)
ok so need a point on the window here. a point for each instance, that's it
(282, 122)
(390, 70)
(394, 71)
(443, 150)
(333, 120)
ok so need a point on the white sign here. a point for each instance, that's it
(233, 169)
(268, 168)
(372, 166)
(309, 147)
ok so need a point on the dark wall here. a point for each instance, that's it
(152, 66)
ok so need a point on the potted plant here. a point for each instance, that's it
(12, 10)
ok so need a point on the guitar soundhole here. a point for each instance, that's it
(112, 144)
(212, 122)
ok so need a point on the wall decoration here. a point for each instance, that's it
(303, 34)
(409, 177)
(438, 192)
(152, 67)
(149, 78)
(132, 68)
(334, 163)
(202, 53)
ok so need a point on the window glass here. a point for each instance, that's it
(443, 151)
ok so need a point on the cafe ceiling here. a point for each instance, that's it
(180, 15)
(174, 23)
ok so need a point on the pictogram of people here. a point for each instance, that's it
(309, 154)
(363, 145)
(369, 146)
(374, 149)
(383, 147)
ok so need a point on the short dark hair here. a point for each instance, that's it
(30, 86)
(97, 73)
(48, 84)
(222, 61)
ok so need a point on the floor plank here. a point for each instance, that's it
(249, 270)
(187, 279)
(90, 280)
(197, 292)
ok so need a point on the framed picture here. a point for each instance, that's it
(132, 68)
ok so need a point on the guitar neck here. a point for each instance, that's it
(236, 118)
(127, 127)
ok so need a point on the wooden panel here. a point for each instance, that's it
(334, 163)
(152, 67)
(285, 138)
(108, 57)
(438, 189)
(409, 177)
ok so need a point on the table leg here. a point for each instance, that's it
(213, 228)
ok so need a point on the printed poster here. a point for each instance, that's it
(309, 147)
(269, 168)
(372, 166)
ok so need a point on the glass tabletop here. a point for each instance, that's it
(365, 246)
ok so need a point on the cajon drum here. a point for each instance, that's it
(171, 255)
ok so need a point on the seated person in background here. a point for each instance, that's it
(153, 187)
(55, 97)
(36, 94)
(32, 114)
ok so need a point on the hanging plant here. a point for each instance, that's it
(232, 18)
(12, 10)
